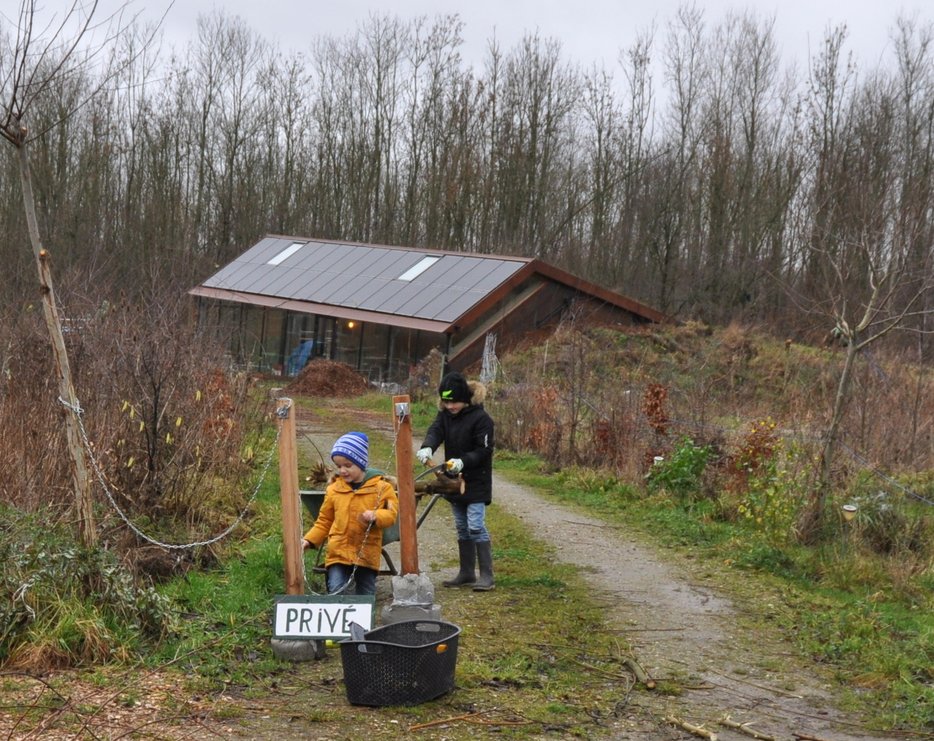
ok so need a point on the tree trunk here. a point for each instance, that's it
(79, 471)
(812, 519)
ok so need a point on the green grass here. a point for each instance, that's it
(226, 611)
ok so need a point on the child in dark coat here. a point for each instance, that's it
(465, 429)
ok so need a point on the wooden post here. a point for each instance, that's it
(408, 526)
(80, 480)
(291, 502)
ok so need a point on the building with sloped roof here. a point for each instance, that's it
(382, 309)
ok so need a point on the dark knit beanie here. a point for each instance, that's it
(354, 446)
(454, 388)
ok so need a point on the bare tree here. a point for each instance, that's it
(31, 66)
(869, 258)
(674, 186)
(431, 139)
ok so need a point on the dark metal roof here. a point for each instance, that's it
(365, 281)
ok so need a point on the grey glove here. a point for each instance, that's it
(424, 456)
(455, 465)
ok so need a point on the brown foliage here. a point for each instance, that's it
(34, 466)
(544, 430)
(327, 378)
(426, 375)
(654, 408)
(165, 421)
(756, 449)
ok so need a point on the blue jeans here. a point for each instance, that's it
(469, 521)
(338, 574)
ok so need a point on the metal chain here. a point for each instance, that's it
(78, 411)
(356, 560)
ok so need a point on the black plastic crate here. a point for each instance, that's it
(403, 663)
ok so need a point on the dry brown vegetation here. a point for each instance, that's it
(166, 423)
(601, 397)
(738, 417)
(326, 378)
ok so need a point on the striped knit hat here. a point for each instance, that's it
(354, 446)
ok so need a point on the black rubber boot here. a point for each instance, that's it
(485, 560)
(467, 574)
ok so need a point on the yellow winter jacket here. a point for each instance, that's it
(338, 520)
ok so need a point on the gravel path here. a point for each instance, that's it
(680, 627)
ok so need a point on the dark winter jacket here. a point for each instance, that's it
(468, 436)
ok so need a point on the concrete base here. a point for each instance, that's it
(291, 650)
(413, 598)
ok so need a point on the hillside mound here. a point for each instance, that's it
(328, 378)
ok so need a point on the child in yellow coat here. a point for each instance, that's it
(358, 504)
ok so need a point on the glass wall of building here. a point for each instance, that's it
(275, 341)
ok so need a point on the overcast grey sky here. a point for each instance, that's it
(589, 30)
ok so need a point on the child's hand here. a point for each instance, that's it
(368, 516)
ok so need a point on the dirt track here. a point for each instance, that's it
(680, 627)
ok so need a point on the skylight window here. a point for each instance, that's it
(418, 268)
(286, 253)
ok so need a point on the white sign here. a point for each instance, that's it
(319, 617)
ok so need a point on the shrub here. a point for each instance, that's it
(681, 474)
(167, 424)
(65, 605)
(887, 524)
(766, 482)
(775, 495)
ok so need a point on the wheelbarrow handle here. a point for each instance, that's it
(434, 469)
(424, 514)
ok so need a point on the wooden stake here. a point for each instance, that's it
(408, 525)
(80, 480)
(291, 502)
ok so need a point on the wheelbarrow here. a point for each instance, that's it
(437, 487)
